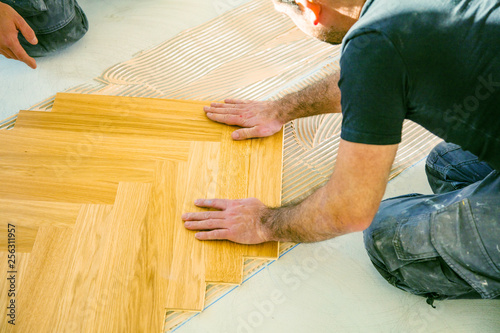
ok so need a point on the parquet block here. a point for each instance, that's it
(82, 180)
(266, 184)
(38, 291)
(186, 291)
(28, 216)
(130, 125)
(74, 145)
(224, 259)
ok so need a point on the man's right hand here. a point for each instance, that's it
(10, 23)
(259, 119)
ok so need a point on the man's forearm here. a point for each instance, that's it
(318, 98)
(307, 221)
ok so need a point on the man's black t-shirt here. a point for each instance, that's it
(436, 62)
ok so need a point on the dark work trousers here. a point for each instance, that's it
(446, 245)
(57, 24)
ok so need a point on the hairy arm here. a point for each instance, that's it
(318, 98)
(347, 203)
(260, 119)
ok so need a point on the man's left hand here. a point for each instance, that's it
(235, 220)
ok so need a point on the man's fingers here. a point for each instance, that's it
(212, 203)
(26, 30)
(229, 119)
(21, 55)
(200, 216)
(213, 235)
(252, 132)
(225, 110)
(204, 225)
(7, 54)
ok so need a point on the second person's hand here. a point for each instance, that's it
(10, 23)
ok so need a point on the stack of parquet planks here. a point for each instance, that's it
(95, 190)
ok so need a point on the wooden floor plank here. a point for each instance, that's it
(40, 291)
(224, 259)
(158, 246)
(265, 184)
(28, 216)
(59, 179)
(128, 106)
(42, 142)
(78, 271)
(130, 125)
(122, 260)
(187, 288)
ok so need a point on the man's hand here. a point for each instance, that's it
(10, 23)
(259, 119)
(235, 220)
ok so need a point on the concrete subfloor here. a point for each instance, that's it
(324, 287)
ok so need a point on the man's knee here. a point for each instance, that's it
(56, 28)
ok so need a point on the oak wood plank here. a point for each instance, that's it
(28, 216)
(121, 260)
(40, 289)
(127, 106)
(130, 125)
(186, 291)
(43, 142)
(72, 180)
(265, 184)
(224, 259)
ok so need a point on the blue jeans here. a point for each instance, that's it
(57, 24)
(446, 245)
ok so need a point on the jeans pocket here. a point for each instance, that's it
(412, 240)
(466, 235)
(27, 8)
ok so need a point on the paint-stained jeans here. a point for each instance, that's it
(57, 24)
(446, 245)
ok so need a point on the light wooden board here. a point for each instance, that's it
(84, 179)
(72, 145)
(224, 259)
(187, 290)
(28, 216)
(130, 125)
(97, 188)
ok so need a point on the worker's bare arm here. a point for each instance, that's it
(260, 119)
(10, 23)
(347, 203)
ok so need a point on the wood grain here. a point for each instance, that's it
(71, 145)
(130, 125)
(38, 293)
(224, 259)
(28, 216)
(121, 262)
(59, 179)
(186, 290)
(129, 106)
(265, 174)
